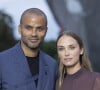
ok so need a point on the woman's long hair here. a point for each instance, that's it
(84, 60)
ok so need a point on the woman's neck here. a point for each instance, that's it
(72, 70)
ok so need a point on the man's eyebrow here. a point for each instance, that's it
(29, 26)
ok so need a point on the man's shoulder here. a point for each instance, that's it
(47, 57)
(8, 51)
(50, 62)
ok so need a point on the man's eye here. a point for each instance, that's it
(40, 28)
(28, 27)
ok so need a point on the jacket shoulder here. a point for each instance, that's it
(47, 57)
(9, 52)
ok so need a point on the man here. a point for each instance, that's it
(25, 66)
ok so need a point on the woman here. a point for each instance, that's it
(75, 71)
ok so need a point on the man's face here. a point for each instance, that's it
(33, 30)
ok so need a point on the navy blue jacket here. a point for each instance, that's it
(15, 73)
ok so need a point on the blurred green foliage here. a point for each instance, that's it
(7, 39)
(50, 48)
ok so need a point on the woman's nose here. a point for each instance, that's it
(67, 52)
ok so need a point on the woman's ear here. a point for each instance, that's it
(82, 50)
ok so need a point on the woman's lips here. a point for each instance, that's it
(67, 59)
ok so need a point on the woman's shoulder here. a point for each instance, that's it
(97, 81)
(95, 74)
(91, 73)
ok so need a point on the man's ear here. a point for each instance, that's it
(46, 29)
(19, 29)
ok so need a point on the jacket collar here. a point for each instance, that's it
(44, 71)
(43, 66)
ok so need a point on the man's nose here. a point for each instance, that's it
(34, 31)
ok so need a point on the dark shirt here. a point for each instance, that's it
(82, 80)
(34, 66)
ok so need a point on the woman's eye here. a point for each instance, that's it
(71, 47)
(60, 49)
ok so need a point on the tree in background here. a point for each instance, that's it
(50, 48)
(7, 39)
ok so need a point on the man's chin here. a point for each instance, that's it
(35, 47)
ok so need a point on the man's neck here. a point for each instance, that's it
(29, 52)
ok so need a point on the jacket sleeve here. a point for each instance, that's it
(97, 84)
(0, 84)
(0, 77)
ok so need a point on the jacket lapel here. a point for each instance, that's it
(21, 62)
(43, 72)
(21, 66)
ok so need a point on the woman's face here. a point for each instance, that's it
(68, 51)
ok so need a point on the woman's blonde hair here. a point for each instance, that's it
(84, 60)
